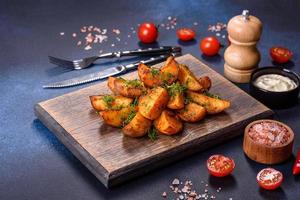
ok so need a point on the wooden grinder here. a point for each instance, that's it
(242, 56)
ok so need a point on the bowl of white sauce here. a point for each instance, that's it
(275, 87)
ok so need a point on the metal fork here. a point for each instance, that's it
(86, 62)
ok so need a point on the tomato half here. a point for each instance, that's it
(186, 34)
(280, 54)
(269, 178)
(220, 166)
(210, 46)
(147, 32)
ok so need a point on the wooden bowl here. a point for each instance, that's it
(266, 154)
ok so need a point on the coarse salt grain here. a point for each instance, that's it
(88, 47)
(74, 34)
(62, 33)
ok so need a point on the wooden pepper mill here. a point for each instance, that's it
(242, 56)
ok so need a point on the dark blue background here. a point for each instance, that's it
(35, 165)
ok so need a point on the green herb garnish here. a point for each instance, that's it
(154, 72)
(108, 100)
(152, 133)
(135, 102)
(215, 96)
(176, 88)
(130, 117)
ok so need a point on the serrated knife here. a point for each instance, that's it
(121, 69)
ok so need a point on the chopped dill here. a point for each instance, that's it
(134, 83)
(176, 88)
(108, 99)
(135, 102)
(152, 133)
(215, 96)
(130, 117)
(154, 72)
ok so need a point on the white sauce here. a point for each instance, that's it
(275, 83)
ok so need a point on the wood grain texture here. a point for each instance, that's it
(114, 158)
(267, 154)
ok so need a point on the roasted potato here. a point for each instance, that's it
(176, 93)
(152, 104)
(169, 72)
(111, 84)
(205, 82)
(176, 101)
(187, 78)
(149, 76)
(128, 88)
(153, 77)
(212, 105)
(138, 126)
(109, 102)
(192, 112)
(115, 117)
(168, 123)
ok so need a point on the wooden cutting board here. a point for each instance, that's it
(114, 158)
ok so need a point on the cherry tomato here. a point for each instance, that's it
(269, 178)
(296, 168)
(280, 54)
(186, 34)
(147, 32)
(219, 165)
(210, 46)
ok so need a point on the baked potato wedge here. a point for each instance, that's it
(187, 78)
(205, 82)
(212, 105)
(138, 126)
(115, 117)
(152, 104)
(128, 88)
(192, 112)
(153, 77)
(176, 93)
(168, 123)
(176, 101)
(109, 102)
(149, 76)
(169, 72)
(111, 84)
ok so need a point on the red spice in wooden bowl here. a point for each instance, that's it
(268, 141)
(269, 133)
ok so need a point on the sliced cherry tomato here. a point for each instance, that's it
(269, 178)
(280, 54)
(296, 168)
(147, 32)
(186, 34)
(220, 166)
(210, 46)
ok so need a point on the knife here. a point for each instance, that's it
(121, 69)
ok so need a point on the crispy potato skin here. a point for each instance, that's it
(205, 82)
(167, 123)
(119, 101)
(212, 105)
(169, 72)
(115, 117)
(126, 91)
(166, 75)
(152, 104)
(147, 77)
(176, 102)
(192, 112)
(111, 84)
(138, 126)
(187, 78)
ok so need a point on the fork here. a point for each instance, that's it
(86, 62)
